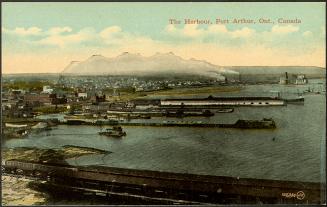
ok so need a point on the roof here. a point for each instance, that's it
(231, 98)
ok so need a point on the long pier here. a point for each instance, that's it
(173, 187)
(242, 124)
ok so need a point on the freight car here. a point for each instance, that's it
(41, 170)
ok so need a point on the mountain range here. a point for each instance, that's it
(138, 65)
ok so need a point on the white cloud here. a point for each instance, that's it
(307, 33)
(170, 28)
(215, 29)
(64, 37)
(258, 48)
(23, 32)
(193, 31)
(284, 29)
(56, 38)
(244, 32)
(113, 35)
(59, 30)
(110, 32)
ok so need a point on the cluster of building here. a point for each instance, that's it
(96, 94)
(20, 103)
(298, 79)
(134, 83)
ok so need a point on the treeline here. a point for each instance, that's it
(50, 109)
(25, 85)
(120, 90)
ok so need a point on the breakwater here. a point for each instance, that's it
(241, 124)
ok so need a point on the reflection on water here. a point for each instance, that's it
(293, 151)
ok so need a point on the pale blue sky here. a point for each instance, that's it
(27, 30)
(150, 18)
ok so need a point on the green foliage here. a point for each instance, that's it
(64, 89)
(72, 109)
(121, 90)
(33, 85)
(50, 109)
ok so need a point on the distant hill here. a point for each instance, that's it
(138, 65)
(275, 70)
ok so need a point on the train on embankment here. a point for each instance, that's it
(174, 186)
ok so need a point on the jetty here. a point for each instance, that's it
(241, 124)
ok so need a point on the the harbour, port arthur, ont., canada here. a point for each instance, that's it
(105, 104)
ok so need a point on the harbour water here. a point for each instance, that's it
(295, 150)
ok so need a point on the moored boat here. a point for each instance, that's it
(115, 131)
(229, 110)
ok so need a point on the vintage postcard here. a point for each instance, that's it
(170, 103)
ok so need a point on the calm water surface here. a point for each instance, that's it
(297, 153)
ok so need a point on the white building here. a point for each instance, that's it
(47, 89)
(82, 95)
(301, 79)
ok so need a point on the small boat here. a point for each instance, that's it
(116, 131)
(207, 113)
(298, 100)
(265, 123)
(225, 110)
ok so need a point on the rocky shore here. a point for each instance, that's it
(17, 190)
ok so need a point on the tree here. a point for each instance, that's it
(72, 109)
